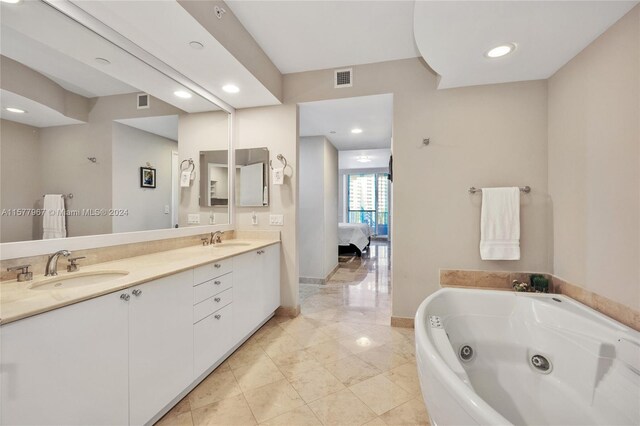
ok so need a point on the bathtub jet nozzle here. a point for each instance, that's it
(541, 363)
(466, 353)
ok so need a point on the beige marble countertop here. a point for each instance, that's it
(19, 300)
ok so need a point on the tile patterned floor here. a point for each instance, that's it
(338, 363)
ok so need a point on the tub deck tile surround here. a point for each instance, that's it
(492, 280)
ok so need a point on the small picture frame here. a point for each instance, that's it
(147, 177)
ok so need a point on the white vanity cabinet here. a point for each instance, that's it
(125, 357)
(256, 288)
(67, 366)
(160, 344)
(212, 314)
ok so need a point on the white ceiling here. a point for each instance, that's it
(69, 73)
(453, 36)
(65, 43)
(378, 159)
(311, 35)
(372, 114)
(37, 115)
(165, 126)
(164, 29)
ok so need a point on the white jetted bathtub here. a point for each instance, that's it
(498, 358)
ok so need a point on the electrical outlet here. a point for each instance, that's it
(254, 218)
(166, 209)
(276, 220)
(193, 219)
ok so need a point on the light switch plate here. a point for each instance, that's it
(166, 209)
(276, 219)
(193, 219)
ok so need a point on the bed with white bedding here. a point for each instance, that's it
(356, 235)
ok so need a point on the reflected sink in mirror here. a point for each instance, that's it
(77, 280)
(231, 244)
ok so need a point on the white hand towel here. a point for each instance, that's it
(500, 224)
(277, 176)
(53, 219)
(185, 179)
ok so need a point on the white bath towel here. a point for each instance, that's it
(500, 224)
(53, 219)
(185, 179)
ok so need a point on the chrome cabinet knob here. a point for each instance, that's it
(217, 282)
(125, 297)
(137, 292)
(217, 299)
(260, 251)
(218, 316)
(217, 265)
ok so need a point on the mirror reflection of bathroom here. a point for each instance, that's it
(214, 179)
(252, 177)
(92, 131)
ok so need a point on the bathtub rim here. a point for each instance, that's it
(468, 400)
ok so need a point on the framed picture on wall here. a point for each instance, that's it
(147, 177)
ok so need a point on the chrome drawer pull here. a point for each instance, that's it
(217, 265)
(217, 316)
(137, 292)
(260, 251)
(217, 282)
(125, 297)
(217, 299)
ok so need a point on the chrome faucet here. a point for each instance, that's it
(52, 264)
(216, 237)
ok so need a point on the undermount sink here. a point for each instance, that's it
(231, 244)
(79, 279)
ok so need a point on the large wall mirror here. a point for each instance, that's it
(93, 140)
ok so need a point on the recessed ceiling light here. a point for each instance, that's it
(230, 88)
(333, 132)
(103, 61)
(16, 110)
(182, 94)
(356, 131)
(499, 51)
(363, 158)
(11, 1)
(196, 45)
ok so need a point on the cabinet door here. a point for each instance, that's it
(247, 293)
(212, 338)
(68, 366)
(160, 344)
(271, 276)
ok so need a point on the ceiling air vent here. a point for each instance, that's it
(143, 101)
(343, 78)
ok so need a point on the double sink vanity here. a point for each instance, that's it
(121, 342)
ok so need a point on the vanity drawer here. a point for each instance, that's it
(212, 287)
(212, 304)
(212, 270)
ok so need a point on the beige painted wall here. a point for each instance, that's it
(594, 163)
(275, 127)
(330, 195)
(134, 148)
(492, 135)
(318, 207)
(205, 131)
(19, 146)
(481, 136)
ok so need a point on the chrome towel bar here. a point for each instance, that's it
(525, 189)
